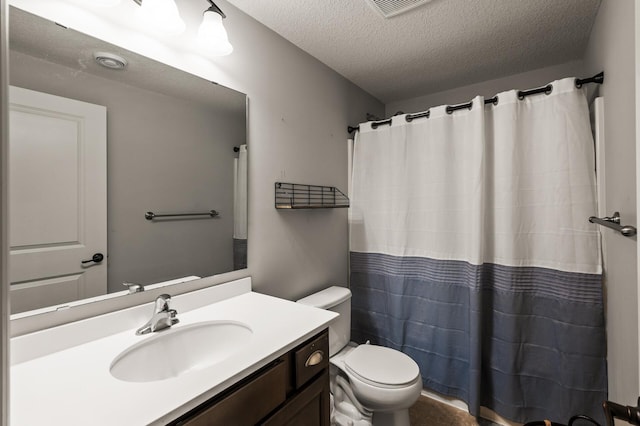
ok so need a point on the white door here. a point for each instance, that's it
(57, 199)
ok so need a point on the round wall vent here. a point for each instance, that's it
(110, 60)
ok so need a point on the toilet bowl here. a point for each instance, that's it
(370, 384)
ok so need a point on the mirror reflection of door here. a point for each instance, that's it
(57, 199)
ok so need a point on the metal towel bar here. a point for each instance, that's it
(152, 215)
(613, 222)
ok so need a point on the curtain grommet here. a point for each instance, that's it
(411, 117)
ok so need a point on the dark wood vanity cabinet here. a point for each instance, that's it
(292, 390)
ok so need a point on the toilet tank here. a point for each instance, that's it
(336, 299)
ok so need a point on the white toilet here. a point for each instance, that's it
(370, 384)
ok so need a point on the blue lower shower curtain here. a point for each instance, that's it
(471, 252)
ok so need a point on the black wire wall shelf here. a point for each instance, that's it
(300, 196)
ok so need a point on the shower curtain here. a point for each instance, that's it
(471, 251)
(240, 209)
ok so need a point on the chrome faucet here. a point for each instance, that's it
(133, 287)
(163, 317)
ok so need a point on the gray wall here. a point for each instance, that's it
(298, 115)
(488, 89)
(165, 154)
(612, 49)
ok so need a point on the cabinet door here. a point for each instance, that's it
(247, 404)
(310, 407)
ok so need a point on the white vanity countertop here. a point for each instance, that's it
(74, 386)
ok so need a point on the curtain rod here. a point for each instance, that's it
(598, 79)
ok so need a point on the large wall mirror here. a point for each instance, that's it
(94, 149)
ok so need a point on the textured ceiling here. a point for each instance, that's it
(438, 46)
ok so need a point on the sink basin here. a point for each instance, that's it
(178, 350)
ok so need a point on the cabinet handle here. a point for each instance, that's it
(314, 359)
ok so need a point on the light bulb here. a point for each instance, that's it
(162, 15)
(212, 37)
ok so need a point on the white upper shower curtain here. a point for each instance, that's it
(471, 251)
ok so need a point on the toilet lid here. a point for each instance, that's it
(382, 365)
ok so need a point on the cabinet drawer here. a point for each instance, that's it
(311, 358)
(248, 404)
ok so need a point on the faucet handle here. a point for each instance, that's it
(162, 303)
(133, 287)
(173, 316)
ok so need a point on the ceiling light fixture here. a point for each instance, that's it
(162, 15)
(212, 36)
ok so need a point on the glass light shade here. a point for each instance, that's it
(212, 37)
(162, 15)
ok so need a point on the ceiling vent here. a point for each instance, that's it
(110, 60)
(390, 8)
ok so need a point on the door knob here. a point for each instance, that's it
(96, 258)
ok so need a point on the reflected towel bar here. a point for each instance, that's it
(152, 215)
(613, 222)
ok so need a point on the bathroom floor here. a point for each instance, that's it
(428, 412)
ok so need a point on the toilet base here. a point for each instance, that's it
(345, 409)
(393, 418)
(341, 419)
